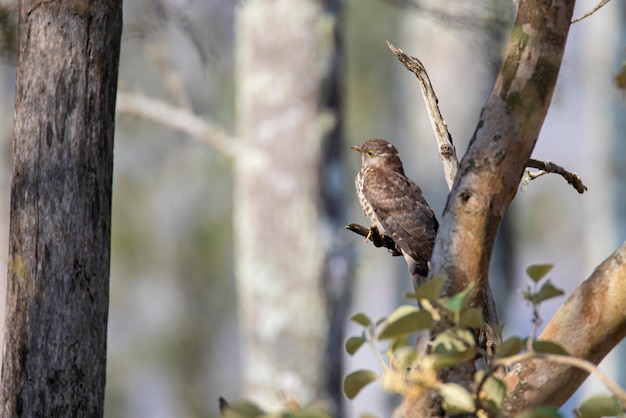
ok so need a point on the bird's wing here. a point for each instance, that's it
(402, 211)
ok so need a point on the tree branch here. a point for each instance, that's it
(373, 235)
(549, 167)
(179, 118)
(509, 125)
(447, 151)
(590, 323)
(592, 11)
(499, 150)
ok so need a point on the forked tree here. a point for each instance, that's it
(593, 319)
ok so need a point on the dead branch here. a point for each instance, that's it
(447, 151)
(545, 167)
(592, 11)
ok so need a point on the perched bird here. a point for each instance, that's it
(395, 205)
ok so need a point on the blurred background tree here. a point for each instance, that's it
(174, 344)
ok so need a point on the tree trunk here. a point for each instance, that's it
(493, 165)
(284, 59)
(54, 356)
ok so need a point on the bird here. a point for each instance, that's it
(395, 205)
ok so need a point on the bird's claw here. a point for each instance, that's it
(369, 234)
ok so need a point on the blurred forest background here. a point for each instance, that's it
(173, 323)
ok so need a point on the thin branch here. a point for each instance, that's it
(178, 118)
(595, 9)
(590, 368)
(447, 152)
(568, 360)
(549, 167)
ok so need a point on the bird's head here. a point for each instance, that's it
(378, 153)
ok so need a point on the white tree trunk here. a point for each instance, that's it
(283, 55)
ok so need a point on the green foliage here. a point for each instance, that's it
(243, 409)
(547, 291)
(404, 321)
(456, 399)
(431, 289)
(354, 343)
(509, 347)
(455, 344)
(537, 272)
(544, 412)
(354, 382)
(492, 391)
(454, 324)
(600, 406)
(548, 347)
(361, 319)
(249, 410)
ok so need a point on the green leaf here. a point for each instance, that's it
(543, 412)
(453, 340)
(405, 320)
(243, 409)
(549, 347)
(399, 342)
(354, 343)
(456, 302)
(451, 359)
(354, 382)
(361, 319)
(528, 295)
(538, 271)
(456, 399)
(493, 390)
(312, 413)
(405, 356)
(471, 318)
(600, 406)
(431, 289)
(547, 291)
(509, 347)
(452, 347)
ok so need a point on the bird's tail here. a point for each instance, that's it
(418, 271)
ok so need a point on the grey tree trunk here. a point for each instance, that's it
(284, 59)
(54, 355)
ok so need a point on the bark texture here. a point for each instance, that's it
(490, 171)
(54, 355)
(506, 134)
(285, 52)
(589, 325)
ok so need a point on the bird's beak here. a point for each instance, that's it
(356, 148)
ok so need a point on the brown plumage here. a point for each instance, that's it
(395, 205)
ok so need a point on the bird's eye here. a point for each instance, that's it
(370, 153)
